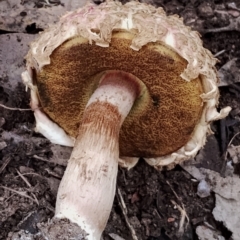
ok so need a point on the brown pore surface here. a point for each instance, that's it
(162, 118)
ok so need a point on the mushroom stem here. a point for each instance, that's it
(87, 189)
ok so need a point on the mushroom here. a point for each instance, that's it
(119, 82)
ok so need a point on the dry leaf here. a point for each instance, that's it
(207, 233)
(227, 190)
(229, 73)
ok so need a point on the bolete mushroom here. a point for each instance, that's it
(102, 64)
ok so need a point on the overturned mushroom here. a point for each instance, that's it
(102, 64)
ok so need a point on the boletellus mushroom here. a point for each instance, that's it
(119, 82)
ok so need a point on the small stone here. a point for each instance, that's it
(59, 170)
(171, 219)
(205, 10)
(2, 145)
(229, 169)
(203, 189)
(24, 169)
(53, 184)
(2, 121)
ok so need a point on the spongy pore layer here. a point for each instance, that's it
(162, 119)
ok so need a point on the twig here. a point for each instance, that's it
(235, 135)
(174, 191)
(157, 213)
(124, 210)
(40, 158)
(183, 216)
(233, 26)
(23, 194)
(24, 179)
(24, 174)
(181, 210)
(5, 163)
(15, 109)
(223, 169)
(29, 185)
(10, 197)
(219, 53)
(53, 173)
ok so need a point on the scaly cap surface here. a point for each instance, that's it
(148, 24)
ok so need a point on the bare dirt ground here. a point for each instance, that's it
(155, 201)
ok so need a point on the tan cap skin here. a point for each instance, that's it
(102, 64)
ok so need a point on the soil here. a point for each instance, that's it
(29, 177)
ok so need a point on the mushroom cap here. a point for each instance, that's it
(162, 118)
(171, 118)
